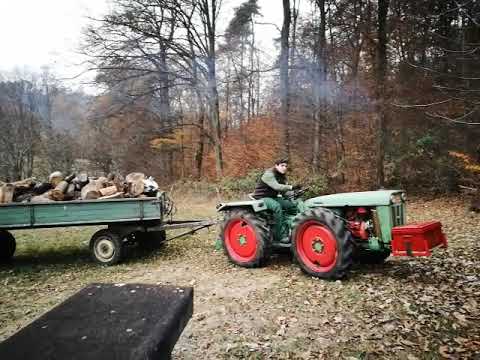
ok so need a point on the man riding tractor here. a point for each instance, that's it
(272, 183)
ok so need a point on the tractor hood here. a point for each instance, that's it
(364, 198)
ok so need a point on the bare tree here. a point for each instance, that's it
(319, 80)
(381, 73)
(20, 127)
(154, 46)
(284, 76)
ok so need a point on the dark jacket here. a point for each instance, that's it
(270, 184)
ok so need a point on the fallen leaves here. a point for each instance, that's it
(408, 308)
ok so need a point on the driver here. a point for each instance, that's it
(273, 183)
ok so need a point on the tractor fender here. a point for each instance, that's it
(255, 205)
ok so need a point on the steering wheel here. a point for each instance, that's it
(295, 194)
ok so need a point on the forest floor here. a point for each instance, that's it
(407, 308)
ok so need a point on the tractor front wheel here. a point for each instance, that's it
(245, 238)
(321, 244)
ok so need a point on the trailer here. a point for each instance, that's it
(143, 221)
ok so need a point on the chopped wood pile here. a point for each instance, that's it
(77, 187)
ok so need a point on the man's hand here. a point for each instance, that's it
(296, 187)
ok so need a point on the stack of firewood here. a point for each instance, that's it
(77, 187)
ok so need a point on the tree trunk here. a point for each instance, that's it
(165, 110)
(214, 110)
(381, 77)
(319, 78)
(284, 80)
(227, 97)
(201, 141)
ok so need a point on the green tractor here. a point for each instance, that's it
(328, 233)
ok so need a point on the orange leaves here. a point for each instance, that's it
(252, 145)
(468, 163)
(172, 141)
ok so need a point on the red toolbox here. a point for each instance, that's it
(417, 239)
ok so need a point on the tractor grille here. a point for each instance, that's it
(398, 214)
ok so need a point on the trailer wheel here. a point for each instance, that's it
(321, 244)
(106, 247)
(151, 240)
(245, 238)
(7, 246)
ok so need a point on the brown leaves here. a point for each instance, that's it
(408, 308)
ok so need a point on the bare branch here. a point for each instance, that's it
(457, 120)
(267, 23)
(441, 73)
(409, 106)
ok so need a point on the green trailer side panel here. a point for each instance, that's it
(14, 215)
(79, 212)
(151, 210)
(66, 213)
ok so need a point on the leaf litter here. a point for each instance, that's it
(407, 308)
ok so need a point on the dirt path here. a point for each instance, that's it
(404, 309)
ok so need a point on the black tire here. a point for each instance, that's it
(364, 256)
(260, 236)
(107, 247)
(151, 240)
(334, 242)
(7, 246)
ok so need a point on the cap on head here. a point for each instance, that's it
(281, 161)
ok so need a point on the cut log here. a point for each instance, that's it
(55, 178)
(80, 181)
(70, 193)
(24, 198)
(135, 184)
(89, 191)
(58, 194)
(70, 178)
(117, 195)
(101, 182)
(41, 188)
(41, 198)
(108, 191)
(25, 184)
(22, 187)
(6, 193)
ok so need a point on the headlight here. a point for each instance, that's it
(404, 197)
(396, 198)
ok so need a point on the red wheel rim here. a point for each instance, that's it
(240, 240)
(316, 246)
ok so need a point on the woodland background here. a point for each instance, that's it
(361, 94)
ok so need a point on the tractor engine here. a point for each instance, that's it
(360, 222)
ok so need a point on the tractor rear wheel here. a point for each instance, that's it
(321, 244)
(245, 238)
